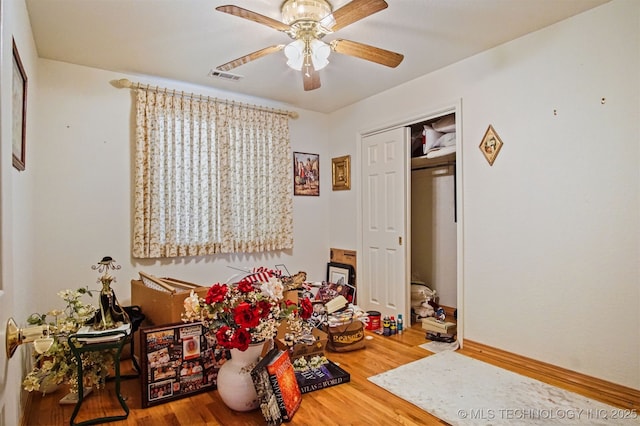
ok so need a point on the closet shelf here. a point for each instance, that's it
(423, 161)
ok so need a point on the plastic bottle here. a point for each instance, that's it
(393, 326)
(400, 324)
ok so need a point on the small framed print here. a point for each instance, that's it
(490, 145)
(19, 110)
(341, 173)
(306, 174)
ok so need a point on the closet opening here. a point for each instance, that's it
(433, 218)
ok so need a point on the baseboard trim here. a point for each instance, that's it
(591, 387)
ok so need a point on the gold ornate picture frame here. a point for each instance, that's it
(491, 144)
(341, 173)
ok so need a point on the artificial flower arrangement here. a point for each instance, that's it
(240, 314)
(247, 312)
(58, 365)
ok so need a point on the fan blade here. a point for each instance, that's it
(369, 53)
(353, 12)
(310, 78)
(253, 16)
(250, 57)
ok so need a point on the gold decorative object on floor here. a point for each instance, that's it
(110, 314)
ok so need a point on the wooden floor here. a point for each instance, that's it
(359, 402)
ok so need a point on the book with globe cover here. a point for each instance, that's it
(322, 376)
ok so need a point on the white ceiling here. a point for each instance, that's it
(184, 39)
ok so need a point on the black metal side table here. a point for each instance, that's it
(82, 342)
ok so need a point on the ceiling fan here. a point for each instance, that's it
(307, 22)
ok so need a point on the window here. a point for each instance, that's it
(210, 177)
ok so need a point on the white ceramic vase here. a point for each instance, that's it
(235, 385)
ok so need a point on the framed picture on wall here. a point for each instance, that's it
(490, 145)
(18, 110)
(341, 173)
(306, 174)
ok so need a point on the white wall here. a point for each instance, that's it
(83, 149)
(551, 230)
(16, 203)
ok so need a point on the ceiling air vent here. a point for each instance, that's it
(224, 75)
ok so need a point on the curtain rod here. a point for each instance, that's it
(123, 83)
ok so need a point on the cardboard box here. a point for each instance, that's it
(347, 257)
(162, 305)
(302, 349)
(431, 324)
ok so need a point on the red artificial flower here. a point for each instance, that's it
(306, 308)
(245, 287)
(223, 337)
(246, 316)
(265, 308)
(290, 303)
(216, 293)
(241, 339)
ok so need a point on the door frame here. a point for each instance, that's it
(448, 108)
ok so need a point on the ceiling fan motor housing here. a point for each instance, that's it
(305, 10)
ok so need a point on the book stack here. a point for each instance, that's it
(277, 387)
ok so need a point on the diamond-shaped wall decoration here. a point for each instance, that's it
(490, 145)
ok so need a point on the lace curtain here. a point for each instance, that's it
(210, 177)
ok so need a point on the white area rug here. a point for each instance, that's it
(464, 391)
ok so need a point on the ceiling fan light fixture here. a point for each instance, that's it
(306, 10)
(319, 54)
(294, 52)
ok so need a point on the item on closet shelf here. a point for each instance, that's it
(448, 139)
(417, 141)
(446, 124)
(441, 152)
(431, 138)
